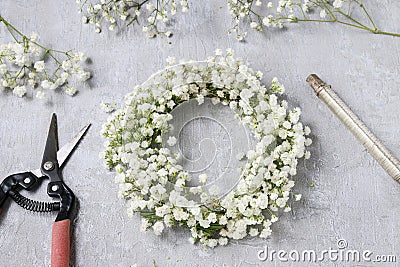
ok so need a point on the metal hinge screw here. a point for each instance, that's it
(54, 188)
(48, 166)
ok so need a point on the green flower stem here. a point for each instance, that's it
(11, 29)
(386, 33)
(332, 12)
(150, 215)
(214, 227)
(362, 27)
(18, 73)
(329, 11)
(355, 23)
(366, 12)
(347, 16)
(8, 25)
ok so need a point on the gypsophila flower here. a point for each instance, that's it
(19, 91)
(171, 141)
(158, 227)
(203, 178)
(338, 3)
(200, 99)
(287, 209)
(322, 14)
(24, 68)
(69, 90)
(108, 107)
(151, 178)
(40, 95)
(156, 14)
(39, 66)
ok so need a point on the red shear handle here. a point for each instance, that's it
(60, 244)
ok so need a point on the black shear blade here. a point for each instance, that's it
(66, 151)
(50, 162)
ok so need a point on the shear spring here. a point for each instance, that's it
(33, 205)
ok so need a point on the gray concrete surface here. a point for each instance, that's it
(353, 198)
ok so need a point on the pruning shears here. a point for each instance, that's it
(52, 162)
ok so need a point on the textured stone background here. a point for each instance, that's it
(353, 197)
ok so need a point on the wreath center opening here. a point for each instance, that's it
(209, 142)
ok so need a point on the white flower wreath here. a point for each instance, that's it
(156, 185)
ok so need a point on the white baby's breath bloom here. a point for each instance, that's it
(19, 91)
(307, 130)
(144, 225)
(253, 232)
(265, 233)
(163, 210)
(212, 243)
(203, 178)
(223, 220)
(338, 3)
(111, 13)
(308, 142)
(215, 100)
(322, 14)
(180, 215)
(83, 75)
(3, 68)
(85, 19)
(46, 84)
(24, 68)
(69, 90)
(158, 228)
(171, 141)
(107, 107)
(39, 66)
(223, 241)
(200, 99)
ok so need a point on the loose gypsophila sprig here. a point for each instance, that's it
(265, 14)
(24, 66)
(128, 12)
